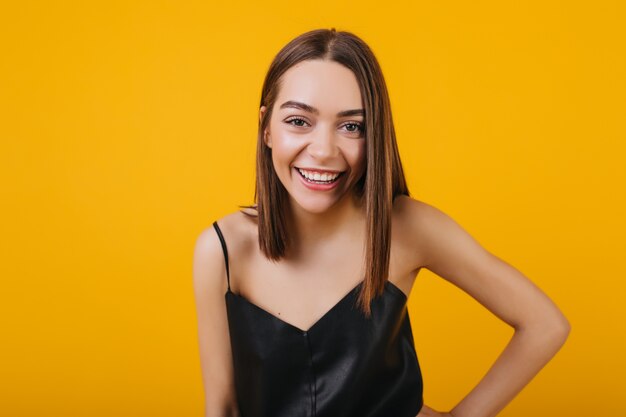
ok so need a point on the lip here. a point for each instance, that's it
(334, 171)
(318, 187)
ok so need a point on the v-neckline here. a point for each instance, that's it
(388, 285)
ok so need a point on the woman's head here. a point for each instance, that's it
(316, 126)
(331, 71)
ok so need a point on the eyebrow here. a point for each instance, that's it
(311, 109)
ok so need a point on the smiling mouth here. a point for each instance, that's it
(312, 180)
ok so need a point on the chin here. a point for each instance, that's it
(315, 205)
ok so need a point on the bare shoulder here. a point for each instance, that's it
(406, 207)
(442, 241)
(419, 225)
(238, 230)
(417, 213)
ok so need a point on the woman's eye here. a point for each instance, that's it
(354, 127)
(295, 119)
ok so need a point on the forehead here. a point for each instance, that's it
(326, 85)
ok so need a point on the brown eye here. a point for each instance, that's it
(295, 119)
(354, 127)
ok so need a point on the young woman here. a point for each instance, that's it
(301, 297)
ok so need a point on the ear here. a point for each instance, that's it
(266, 138)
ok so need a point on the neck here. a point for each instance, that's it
(346, 219)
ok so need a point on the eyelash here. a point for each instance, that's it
(358, 124)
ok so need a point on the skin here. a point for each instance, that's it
(329, 234)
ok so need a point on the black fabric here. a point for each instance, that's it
(344, 365)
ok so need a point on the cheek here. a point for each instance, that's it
(285, 148)
(356, 155)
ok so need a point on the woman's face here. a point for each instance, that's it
(316, 134)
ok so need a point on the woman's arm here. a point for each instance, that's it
(540, 327)
(209, 283)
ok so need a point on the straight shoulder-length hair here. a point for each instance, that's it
(383, 178)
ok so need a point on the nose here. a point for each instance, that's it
(322, 145)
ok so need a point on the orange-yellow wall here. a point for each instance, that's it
(127, 127)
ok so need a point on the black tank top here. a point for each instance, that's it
(344, 365)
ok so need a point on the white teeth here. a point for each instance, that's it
(316, 176)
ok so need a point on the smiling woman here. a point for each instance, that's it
(325, 142)
(320, 176)
(316, 321)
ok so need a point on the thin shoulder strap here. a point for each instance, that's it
(223, 242)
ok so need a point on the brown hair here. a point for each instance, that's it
(383, 179)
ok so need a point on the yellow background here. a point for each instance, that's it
(128, 127)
